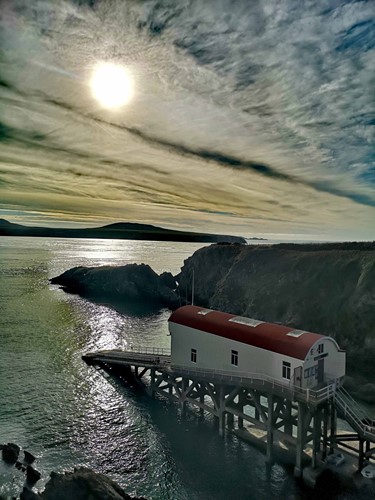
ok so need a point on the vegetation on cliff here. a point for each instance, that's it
(323, 288)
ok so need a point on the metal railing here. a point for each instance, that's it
(354, 414)
(292, 390)
(308, 395)
(158, 351)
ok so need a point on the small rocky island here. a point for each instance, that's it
(323, 288)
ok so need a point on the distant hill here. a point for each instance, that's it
(120, 230)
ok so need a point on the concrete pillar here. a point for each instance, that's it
(269, 452)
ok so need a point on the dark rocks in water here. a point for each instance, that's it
(82, 484)
(29, 495)
(32, 475)
(10, 453)
(132, 284)
(29, 457)
(20, 466)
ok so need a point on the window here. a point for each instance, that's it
(193, 356)
(234, 358)
(296, 333)
(311, 372)
(286, 370)
(320, 348)
(245, 321)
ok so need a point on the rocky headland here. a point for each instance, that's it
(132, 288)
(323, 288)
(118, 230)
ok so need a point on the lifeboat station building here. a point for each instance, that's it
(212, 340)
(251, 375)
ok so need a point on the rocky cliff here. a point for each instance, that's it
(328, 289)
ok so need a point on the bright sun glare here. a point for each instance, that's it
(111, 84)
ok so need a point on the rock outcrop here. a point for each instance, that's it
(327, 288)
(132, 285)
(10, 452)
(82, 484)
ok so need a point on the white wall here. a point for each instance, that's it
(214, 352)
(334, 361)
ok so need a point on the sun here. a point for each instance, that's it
(111, 85)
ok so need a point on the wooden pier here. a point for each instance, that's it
(302, 419)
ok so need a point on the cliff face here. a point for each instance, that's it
(328, 289)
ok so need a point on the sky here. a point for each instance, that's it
(254, 118)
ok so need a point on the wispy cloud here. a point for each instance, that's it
(256, 116)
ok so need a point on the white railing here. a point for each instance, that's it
(158, 351)
(309, 395)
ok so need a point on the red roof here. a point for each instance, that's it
(265, 335)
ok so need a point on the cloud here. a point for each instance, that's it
(240, 114)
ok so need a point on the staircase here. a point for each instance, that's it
(348, 408)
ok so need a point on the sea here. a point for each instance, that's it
(69, 415)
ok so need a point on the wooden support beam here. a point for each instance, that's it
(221, 408)
(325, 431)
(316, 437)
(143, 372)
(300, 440)
(361, 455)
(288, 419)
(232, 395)
(211, 392)
(333, 422)
(259, 409)
(269, 423)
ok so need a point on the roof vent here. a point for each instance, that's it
(246, 321)
(203, 312)
(296, 333)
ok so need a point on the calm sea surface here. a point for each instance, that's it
(68, 414)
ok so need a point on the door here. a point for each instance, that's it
(298, 376)
(320, 371)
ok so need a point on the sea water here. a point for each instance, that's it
(68, 414)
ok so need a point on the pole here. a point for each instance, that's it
(192, 291)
